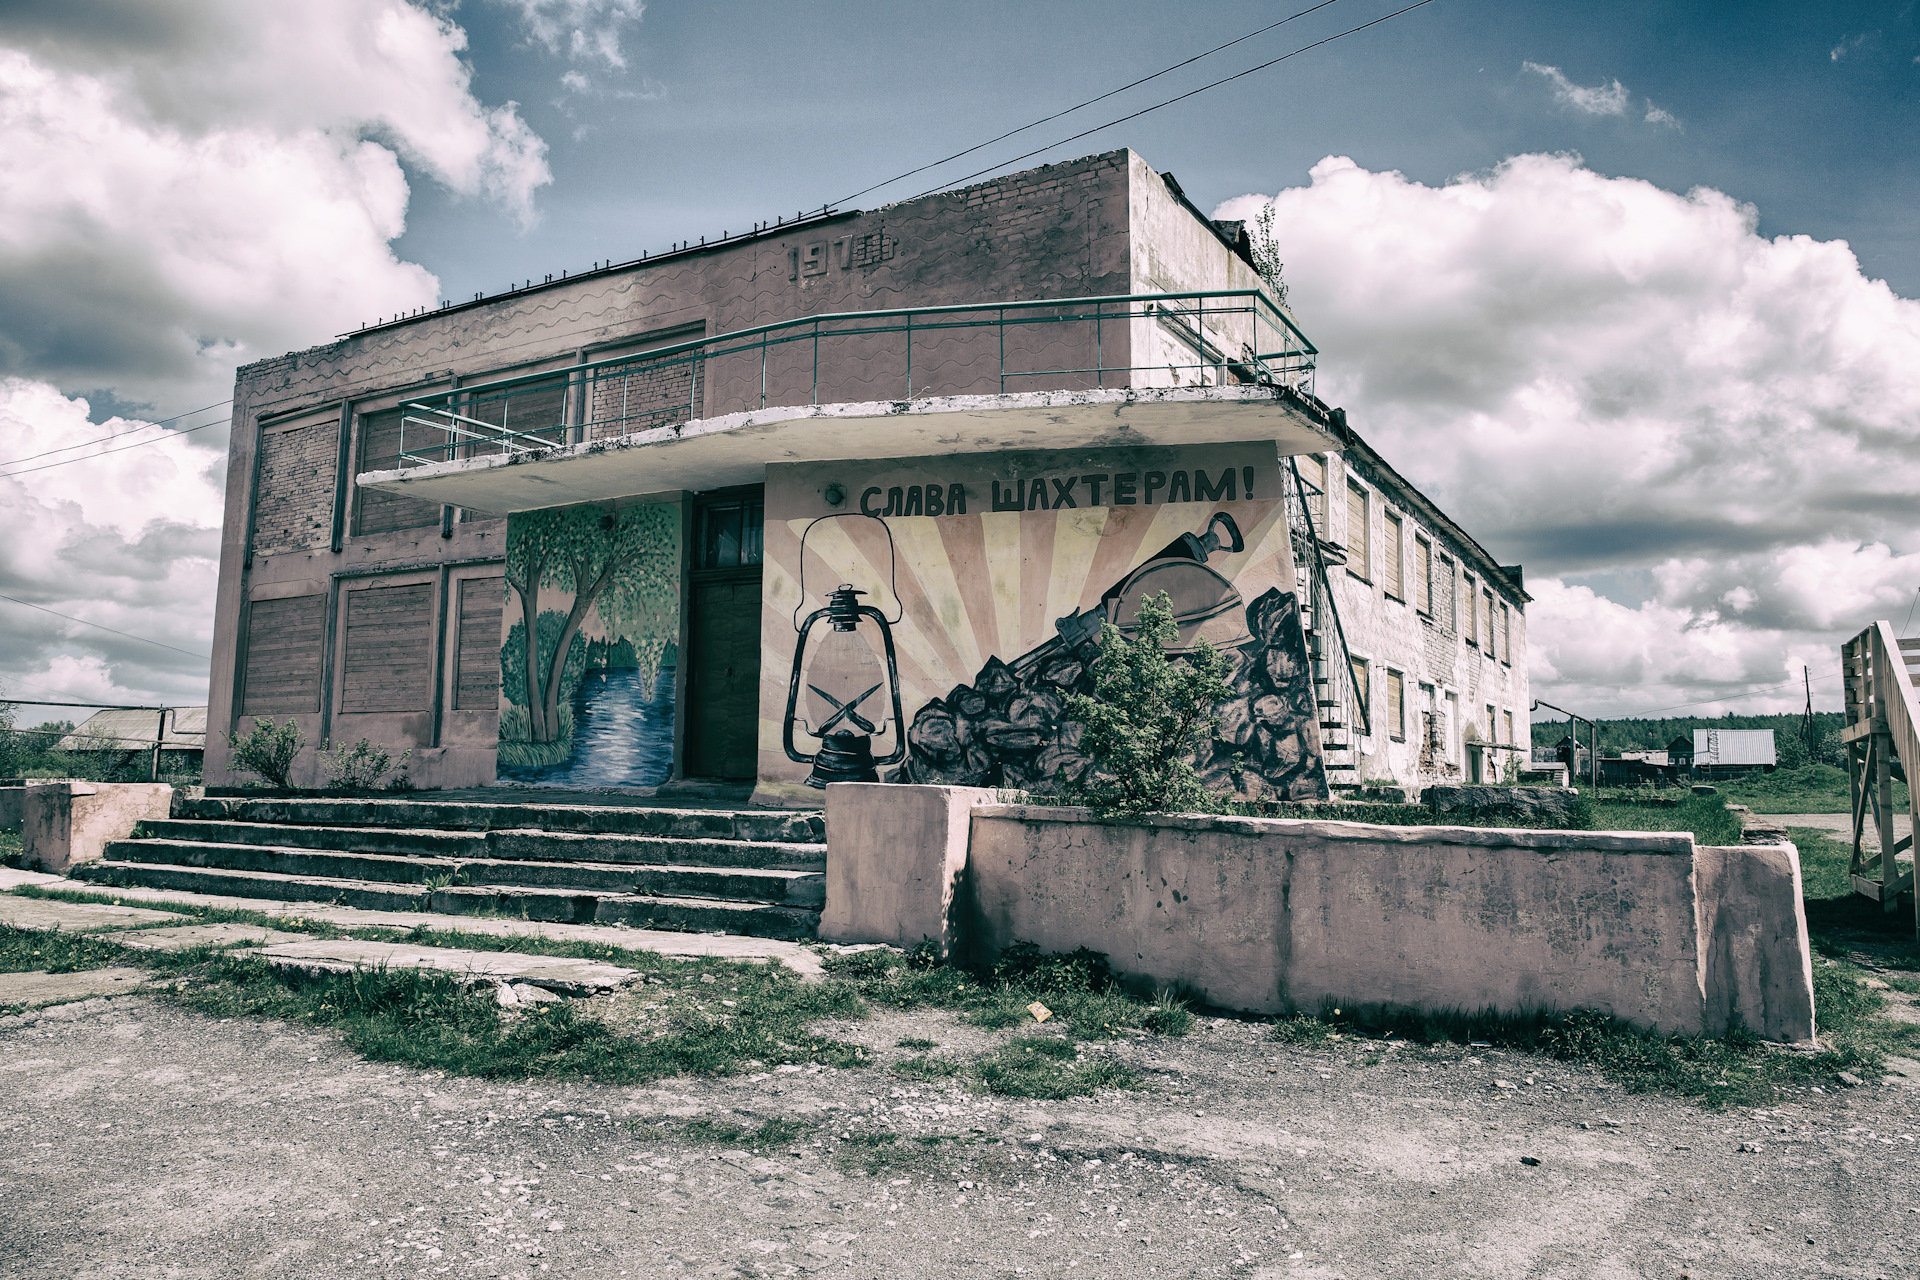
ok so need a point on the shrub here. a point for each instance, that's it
(268, 751)
(1023, 964)
(1147, 715)
(359, 767)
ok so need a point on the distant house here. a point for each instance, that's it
(1724, 753)
(183, 740)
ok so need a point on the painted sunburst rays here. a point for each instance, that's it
(968, 588)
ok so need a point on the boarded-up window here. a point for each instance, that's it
(1423, 575)
(1390, 557)
(1449, 594)
(1362, 694)
(389, 650)
(284, 648)
(1396, 705)
(1486, 612)
(1506, 634)
(1473, 609)
(380, 446)
(477, 660)
(537, 409)
(1357, 530)
(1506, 721)
(1313, 471)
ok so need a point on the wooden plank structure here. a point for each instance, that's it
(1882, 735)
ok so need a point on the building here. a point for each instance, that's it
(1724, 753)
(851, 490)
(181, 732)
(1435, 626)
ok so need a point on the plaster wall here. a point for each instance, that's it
(67, 823)
(996, 600)
(1058, 231)
(1442, 671)
(1275, 915)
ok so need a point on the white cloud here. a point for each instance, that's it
(129, 541)
(1597, 375)
(189, 185)
(1601, 100)
(579, 30)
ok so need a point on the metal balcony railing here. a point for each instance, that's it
(1208, 338)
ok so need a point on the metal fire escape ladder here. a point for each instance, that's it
(1341, 712)
(1882, 735)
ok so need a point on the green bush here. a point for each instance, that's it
(1147, 714)
(268, 751)
(1024, 965)
(360, 767)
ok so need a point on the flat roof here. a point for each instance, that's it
(737, 448)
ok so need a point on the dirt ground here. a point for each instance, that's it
(141, 1140)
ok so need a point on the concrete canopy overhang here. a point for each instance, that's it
(736, 449)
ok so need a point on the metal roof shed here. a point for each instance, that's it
(1732, 747)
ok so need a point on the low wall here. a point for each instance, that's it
(65, 823)
(1274, 915)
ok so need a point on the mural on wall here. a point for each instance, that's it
(588, 657)
(1001, 608)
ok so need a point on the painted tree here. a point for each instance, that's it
(642, 606)
(581, 551)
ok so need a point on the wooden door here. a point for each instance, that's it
(723, 638)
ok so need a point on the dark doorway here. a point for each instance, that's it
(723, 635)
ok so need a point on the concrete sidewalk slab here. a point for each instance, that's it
(685, 946)
(204, 935)
(76, 917)
(556, 973)
(38, 987)
(12, 878)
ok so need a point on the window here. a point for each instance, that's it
(375, 510)
(1360, 690)
(476, 672)
(1453, 718)
(1391, 564)
(1507, 723)
(1486, 600)
(1506, 635)
(1313, 472)
(1473, 608)
(284, 639)
(730, 533)
(388, 661)
(1397, 706)
(1493, 724)
(1357, 562)
(1423, 575)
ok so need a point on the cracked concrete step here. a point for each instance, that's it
(539, 846)
(642, 911)
(779, 826)
(552, 973)
(793, 887)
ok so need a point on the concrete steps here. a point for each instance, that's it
(754, 873)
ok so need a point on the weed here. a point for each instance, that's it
(25, 950)
(773, 1133)
(915, 1042)
(1024, 964)
(1168, 1015)
(1049, 1067)
(268, 751)
(1302, 1028)
(445, 880)
(926, 1066)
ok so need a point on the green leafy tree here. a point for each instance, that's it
(1147, 714)
(582, 551)
(1266, 255)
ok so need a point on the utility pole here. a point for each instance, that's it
(1806, 725)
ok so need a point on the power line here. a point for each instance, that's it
(1170, 101)
(1089, 102)
(67, 462)
(83, 622)
(67, 448)
(1743, 693)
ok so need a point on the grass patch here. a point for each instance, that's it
(1814, 788)
(927, 1066)
(1049, 1067)
(27, 950)
(772, 1133)
(1734, 1070)
(1707, 817)
(1077, 988)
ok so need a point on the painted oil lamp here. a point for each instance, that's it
(849, 694)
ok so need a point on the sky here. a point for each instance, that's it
(1631, 290)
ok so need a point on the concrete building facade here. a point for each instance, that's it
(617, 529)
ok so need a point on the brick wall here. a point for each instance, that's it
(294, 511)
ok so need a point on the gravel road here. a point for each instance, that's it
(142, 1140)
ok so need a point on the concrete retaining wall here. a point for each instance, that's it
(69, 822)
(1274, 915)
